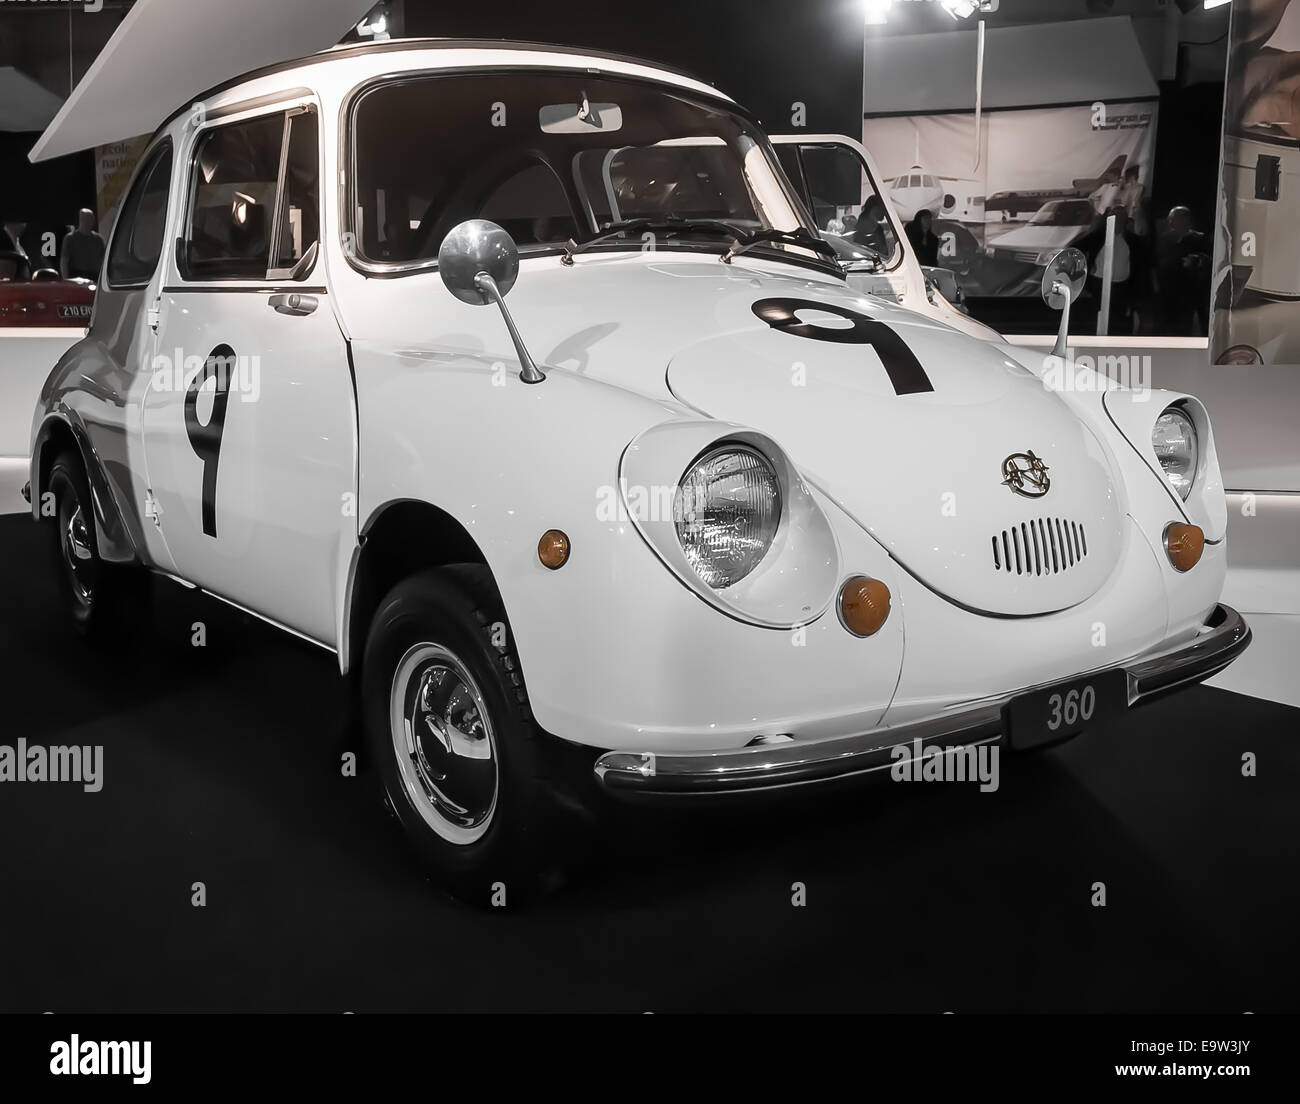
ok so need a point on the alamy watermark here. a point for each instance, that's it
(915, 762)
(26, 762)
(660, 502)
(228, 374)
(1101, 373)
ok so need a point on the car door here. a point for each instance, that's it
(834, 177)
(250, 426)
(838, 183)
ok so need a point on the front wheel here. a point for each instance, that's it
(448, 724)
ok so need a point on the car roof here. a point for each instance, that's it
(402, 45)
(112, 104)
(452, 53)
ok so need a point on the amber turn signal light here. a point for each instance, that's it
(553, 549)
(1184, 545)
(864, 605)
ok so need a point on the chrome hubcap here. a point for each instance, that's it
(76, 553)
(444, 743)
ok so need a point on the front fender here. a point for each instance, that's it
(1134, 414)
(1123, 418)
(616, 650)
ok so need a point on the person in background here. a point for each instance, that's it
(924, 241)
(872, 228)
(11, 237)
(1131, 194)
(83, 249)
(1182, 275)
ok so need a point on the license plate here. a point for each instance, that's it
(1064, 710)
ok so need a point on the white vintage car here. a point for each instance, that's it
(689, 517)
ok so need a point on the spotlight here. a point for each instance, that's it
(878, 11)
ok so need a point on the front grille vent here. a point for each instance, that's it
(1042, 546)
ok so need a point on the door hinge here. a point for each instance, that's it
(154, 316)
(152, 510)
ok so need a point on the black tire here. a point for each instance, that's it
(514, 852)
(104, 600)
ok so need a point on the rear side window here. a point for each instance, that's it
(138, 236)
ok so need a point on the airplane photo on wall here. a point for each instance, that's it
(1029, 183)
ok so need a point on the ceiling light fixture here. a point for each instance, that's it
(878, 12)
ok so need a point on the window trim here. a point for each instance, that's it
(282, 213)
(234, 115)
(146, 164)
(393, 270)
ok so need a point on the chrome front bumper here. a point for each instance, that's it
(794, 763)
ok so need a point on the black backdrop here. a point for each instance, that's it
(767, 54)
(47, 195)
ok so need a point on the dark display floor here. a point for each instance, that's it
(222, 766)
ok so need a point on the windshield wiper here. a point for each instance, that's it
(669, 224)
(802, 237)
(742, 240)
(874, 258)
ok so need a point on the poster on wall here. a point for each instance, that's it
(1256, 300)
(1032, 182)
(114, 165)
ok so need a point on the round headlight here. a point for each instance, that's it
(727, 511)
(1174, 441)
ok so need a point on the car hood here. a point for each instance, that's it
(1038, 237)
(908, 435)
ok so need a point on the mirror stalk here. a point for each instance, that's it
(479, 263)
(1063, 279)
(1062, 349)
(528, 370)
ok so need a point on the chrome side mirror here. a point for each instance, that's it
(1063, 280)
(479, 263)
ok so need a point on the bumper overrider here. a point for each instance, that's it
(1224, 636)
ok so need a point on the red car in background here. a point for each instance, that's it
(43, 297)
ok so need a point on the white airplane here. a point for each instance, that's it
(919, 189)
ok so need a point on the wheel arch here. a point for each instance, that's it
(58, 434)
(399, 539)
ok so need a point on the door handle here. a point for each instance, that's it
(292, 302)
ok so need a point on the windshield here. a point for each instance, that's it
(1077, 212)
(554, 156)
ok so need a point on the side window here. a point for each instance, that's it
(138, 235)
(300, 206)
(844, 201)
(236, 176)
